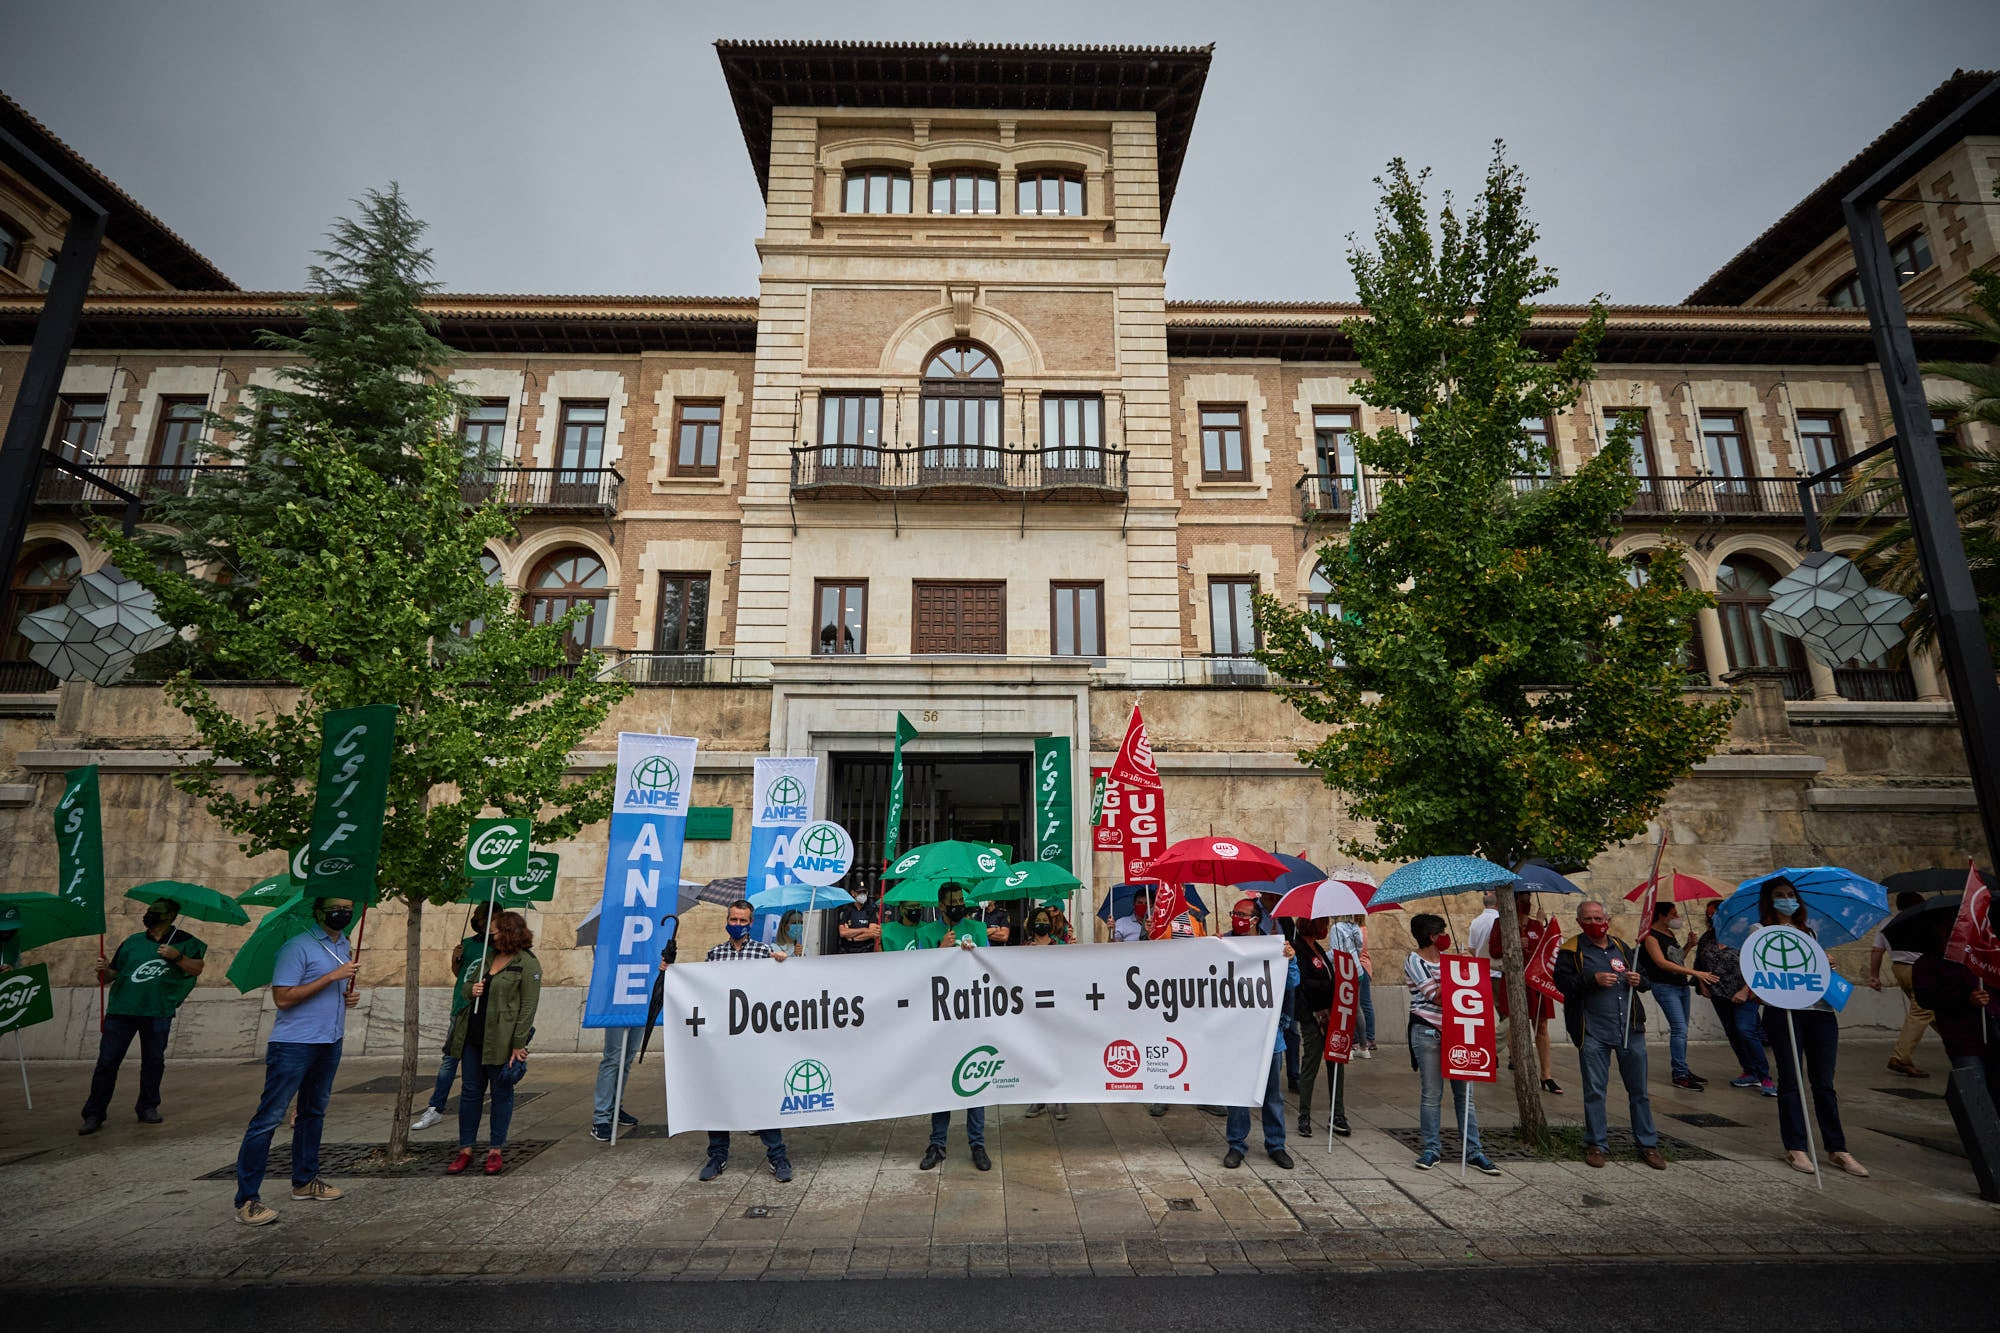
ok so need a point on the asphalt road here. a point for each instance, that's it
(1575, 1299)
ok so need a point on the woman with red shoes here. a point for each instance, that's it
(495, 1029)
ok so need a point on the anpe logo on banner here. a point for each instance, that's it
(785, 801)
(656, 785)
(1121, 1061)
(979, 1069)
(808, 1088)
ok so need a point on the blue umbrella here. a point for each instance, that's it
(801, 897)
(1539, 876)
(1841, 906)
(1435, 876)
(1298, 873)
(1118, 902)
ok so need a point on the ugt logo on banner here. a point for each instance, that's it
(649, 807)
(1346, 1001)
(1465, 994)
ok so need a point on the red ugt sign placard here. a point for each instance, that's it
(1346, 1000)
(1465, 994)
(1108, 835)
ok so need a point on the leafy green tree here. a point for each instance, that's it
(1497, 682)
(340, 554)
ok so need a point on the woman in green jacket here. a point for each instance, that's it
(494, 1030)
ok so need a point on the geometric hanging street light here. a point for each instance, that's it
(96, 633)
(1829, 606)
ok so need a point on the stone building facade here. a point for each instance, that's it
(960, 458)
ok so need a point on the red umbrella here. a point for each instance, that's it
(1216, 861)
(1684, 889)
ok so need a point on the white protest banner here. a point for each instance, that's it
(649, 808)
(756, 1044)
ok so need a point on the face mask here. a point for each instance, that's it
(1674, 923)
(1784, 906)
(1038, 928)
(955, 913)
(738, 932)
(1442, 942)
(792, 932)
(1243, 925)
(1597, 930)
(909, 916)
(152, 919)
(336, 918)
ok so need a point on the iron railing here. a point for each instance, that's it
(148, 481)
(24, 677)
(706, 668)
(861, 471)
(1324, 496)
(1875, 684)
(588, 490)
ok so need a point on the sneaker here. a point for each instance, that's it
(318, 1191)
(1304, 1128)
(1368, 1052)
(980, 1158)
(1768, 1087)
(601, 1131)
(495, 1162)
(1482, 1165)
(1233, 1158)
(251, 1213)
(626, 1120)
(1689, 1082)
(458, 1164)
(932, 1156)
(1062, 1110)
(1036, 1110)
(1342, 1128)
(782, 1169)
(154, 1117)
(430, 1117)
(713, 1167)
(1283, 1159)
(1427, 1161)
(1745, 1081)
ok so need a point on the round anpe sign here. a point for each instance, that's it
(1786, 967)
(821, 854)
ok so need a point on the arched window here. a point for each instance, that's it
(489, 565)
(13, 243)
(961, 401)
(1638, 573)
(572, 577)
(42, 577)
(1742, 591)
(1049, 194)
(965, 190)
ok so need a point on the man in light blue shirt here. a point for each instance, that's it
(312, 985)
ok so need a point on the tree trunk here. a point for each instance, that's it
(1520, 1031)
(406, 1074)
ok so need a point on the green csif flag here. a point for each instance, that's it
(348, 804)
(80, 845)
(25, 998)
(893, 833)
(1054, 813)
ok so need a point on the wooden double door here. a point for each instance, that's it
(959, 616)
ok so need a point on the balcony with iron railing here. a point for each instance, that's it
(1088, 474)
(548, 489)
(1323, 496)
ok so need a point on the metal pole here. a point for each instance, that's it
(1805, 1106)
(618, 1085)
(21, 1055)
(1464, 1128)
(1968, 660)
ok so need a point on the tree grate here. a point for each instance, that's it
(1706, 1120)
(386, 1087)
(353, 1159)
(1505, 1145)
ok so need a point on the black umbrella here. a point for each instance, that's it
(1913, 928)
(1933, 879)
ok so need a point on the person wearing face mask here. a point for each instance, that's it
(1040, 932)
(150, 974)
(740, 946)
(1817, 1033)
(961, 928)
(904, 930)
(1662, 960)
(312, 984)
(1315, 1008)
(1420, 973)
(859, 926)
(1600, 986)
(1246, 918)
(1735, 1007)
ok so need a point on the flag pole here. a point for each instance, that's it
(486, 946)
(21, 1055)
(1464, 1130)
(1805, 1108)
(618, 1085)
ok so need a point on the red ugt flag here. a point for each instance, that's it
(1539, 974)
(1141, 801)
(1973, 942)
(1346, 999)
(1169, 901)
(1471, 1037)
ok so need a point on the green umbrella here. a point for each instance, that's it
(255, 961)
(269, 891)
(197, 901)
(1041, 880)
(952, 862)
(45, 918)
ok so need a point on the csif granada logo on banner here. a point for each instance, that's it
(980, 1069)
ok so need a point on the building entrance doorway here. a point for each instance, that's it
(976, 798)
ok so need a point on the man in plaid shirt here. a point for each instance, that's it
(739, 945)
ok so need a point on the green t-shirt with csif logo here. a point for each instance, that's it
(145, 985)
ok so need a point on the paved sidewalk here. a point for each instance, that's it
(1110, 1190)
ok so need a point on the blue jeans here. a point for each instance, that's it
(303, 1069)
(1819, 1046)
(119, 1029)
(1273, 1110)
(1745, 1030)
(774, 1145)
(975, 1127)
(1673, 1002)
(1427, 1049)
(609, 1073)
(1367, 1008)
(447, 1075)
(1595, 1057)
(478, 1079)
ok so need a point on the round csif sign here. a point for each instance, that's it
(1786, 967)
(822, 854)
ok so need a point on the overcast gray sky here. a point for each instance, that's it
(589, 146)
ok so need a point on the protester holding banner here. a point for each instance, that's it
(1817, 1034)
(1540, 1007)
(740, 946)
(1735, 1007)
(1237, 1126)
(1314, 1003)
(311, 985)
(466, 959)
(1663, 959)
(491, 1036)
(963, 930)
(1420, 974)
(1961, 1007)
(1600, 985)
(151, 974)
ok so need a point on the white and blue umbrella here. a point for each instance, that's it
(1841, 906)
(1436, 876)
(801, 898)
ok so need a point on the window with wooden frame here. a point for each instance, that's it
(1846, 294)
(1319, 602)
(965, 190)
(13, 243)
(841, 610)
(1224, 456)
(1822, 444)
(1232, 628)
(569, 579)
(483, 429)
(1049, 194)
(1742, 592)
(580, 435)
(1072, 432)
(875, 190)
(850, 430)
(1645, 463)
(1076, 619)
(1726, 448)
(1333, 444)
(177, 437)
(681, 625)
(697, 437)
(79, 426)
(1910, 254)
